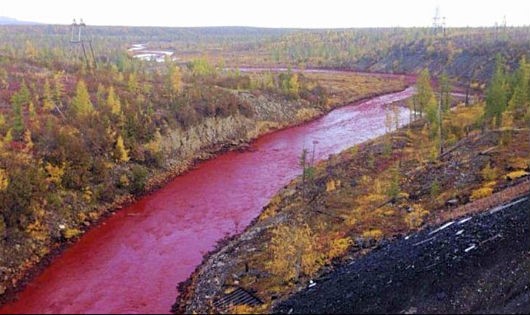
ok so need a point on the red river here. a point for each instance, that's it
(132, 262)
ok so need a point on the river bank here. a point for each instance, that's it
(133, 213)
(355, 202)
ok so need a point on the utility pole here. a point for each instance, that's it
(438, 22)
(77, 29)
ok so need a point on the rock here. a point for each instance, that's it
(219, 264)
(452, 202)
(289, 192)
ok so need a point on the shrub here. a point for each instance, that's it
(139, 178)
(435, 188)
(415, 218)
(373, 234)
(489, 173)
(292, 252)
(338, 247)
(516, 174)
(518, 163)
(481, 193)
(70, 233)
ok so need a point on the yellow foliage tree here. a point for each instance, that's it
(27, 140)
(292, 252)
(81, 104)
(29, 50)
(55, 173)
(175, 80)
(4, 180)
(121, 154)
(32, 111)
(47, 103)
(294, 85)
(113, 102)
(132, 83)
(8, 137)
(155, 145)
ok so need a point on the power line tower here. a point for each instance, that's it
(79, 39)
(438, 22)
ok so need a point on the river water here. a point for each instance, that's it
(132, 262)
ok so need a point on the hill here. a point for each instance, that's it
(4, 20)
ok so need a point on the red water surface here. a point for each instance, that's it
(132, 262)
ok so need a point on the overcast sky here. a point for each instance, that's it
(270, 13)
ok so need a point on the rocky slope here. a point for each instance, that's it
(476, 264)
(215, 134)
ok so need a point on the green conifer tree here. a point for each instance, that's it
(496, 97)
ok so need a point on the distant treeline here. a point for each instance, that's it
(465, 53)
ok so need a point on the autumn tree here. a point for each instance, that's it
(433, 111)
(445, 93)
(32, 112)
(433, 115)
(100, 96)
(443, 107)
(308, 169)
(292, 252)
(520, 100)
(4, 179)
(173, 79)
(2, 121)
(113, 102)
(47, 97)
(29, 50)
(21, 98)
(496, 97)
(58, 88)
(294, 86)
(424, 92)
(121, 154)
(201, 67)
(132, 83)
(3, 78)
(81, 105)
